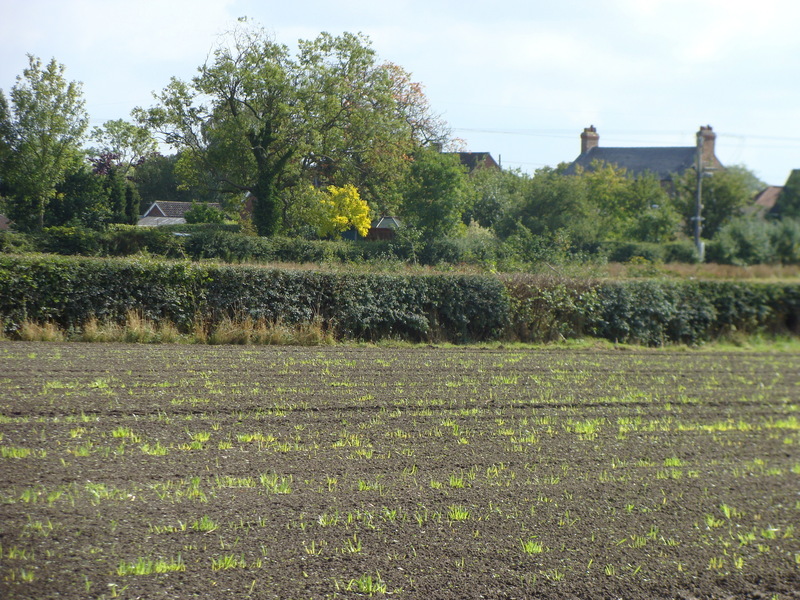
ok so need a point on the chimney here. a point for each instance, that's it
(589, 139)
(708, 137)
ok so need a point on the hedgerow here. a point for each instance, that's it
(71, 291)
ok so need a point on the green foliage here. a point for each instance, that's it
(749, 241)
(546, 309)
(551, 202)
(491, 194)
(785, 238)
(788, 202)
(724, 195)
(742, 241)
(434, 193)
(81, 200)
(156, 181)
(70, 292)
(41, 137)
(128, 143)
(652, 313)
(260, 120)
(16, 243)
(203, 213)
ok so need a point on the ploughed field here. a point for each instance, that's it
(134, 471)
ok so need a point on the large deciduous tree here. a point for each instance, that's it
(41, 132)
(724, 194)
(257, 119)
(435, 193)
(128, 143)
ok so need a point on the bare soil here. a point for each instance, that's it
(425, 472)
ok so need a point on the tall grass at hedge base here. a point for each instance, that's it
(262, 332)
(206, 303)
(138, 329)
(31, 331)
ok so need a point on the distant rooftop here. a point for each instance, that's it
(663, 162)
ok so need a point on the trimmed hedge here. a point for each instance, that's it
(649, 312)
(458, 308)
(70, 291)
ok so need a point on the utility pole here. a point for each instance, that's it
(698, 203)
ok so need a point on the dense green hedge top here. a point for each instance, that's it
(459, 308)
(70, 290)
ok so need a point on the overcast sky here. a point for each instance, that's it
(517, 78)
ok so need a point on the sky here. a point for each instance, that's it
(517, 78)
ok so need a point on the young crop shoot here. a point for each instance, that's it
(147, 566)
(340, 471)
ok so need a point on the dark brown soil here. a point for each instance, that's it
(431, 472)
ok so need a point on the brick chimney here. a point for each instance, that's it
(708, 139)
(589, 139)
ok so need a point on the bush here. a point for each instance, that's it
(70, 292)
(546, 309)
(743, 241)
(785, 238)
(680, 252)
(15, 242)
(70, 241)
(623, 252)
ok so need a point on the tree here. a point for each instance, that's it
(435, 193)
(724, 195)
(203, 213)
(42, 135)
(81, 199)
(257, 120)
(156, 181)
(551, 204)
(339, 209)
(492, 195)
(789, 201)
(129, 143)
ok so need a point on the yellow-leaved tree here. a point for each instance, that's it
(339, 209)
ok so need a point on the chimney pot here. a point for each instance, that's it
(589, 139)
(709, 138)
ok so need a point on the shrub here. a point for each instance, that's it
(743, 241)
(545, 309)
(72, 291)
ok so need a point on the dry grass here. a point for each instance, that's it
(263, 332)
(703, 271)
(139, 329)
(41, 332)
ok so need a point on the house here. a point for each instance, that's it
(168, 213)
(663, 162)
(774, 201)
(383, 228)
(476, 160)
(765, 204)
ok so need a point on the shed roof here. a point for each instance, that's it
(160, 221)
(169, 208)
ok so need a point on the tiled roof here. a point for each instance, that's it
(473, 160)
(766, 199)
(662, 162)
